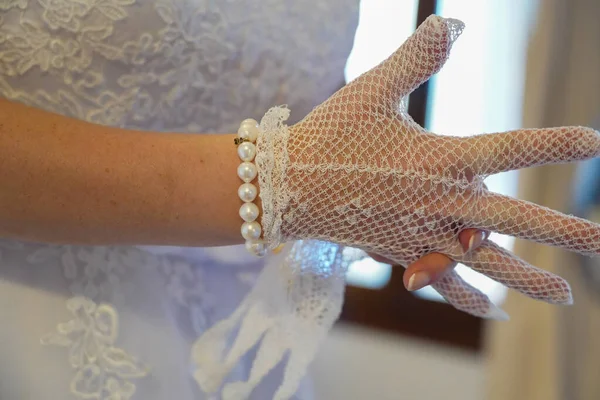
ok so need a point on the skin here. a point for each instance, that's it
(69, 181)
(436, 265)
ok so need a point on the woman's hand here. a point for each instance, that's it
(430, 268)
(360, 172)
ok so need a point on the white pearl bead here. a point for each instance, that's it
(256, 248)
(248, 130)
(247, 192)
(249, 121)
(246, 151)
(247, 171)
(251, 230)
(249, 212)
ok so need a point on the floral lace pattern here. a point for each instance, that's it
(186, 286)
(103, 370)
(193, 66)
(98, 280)
(167, 65)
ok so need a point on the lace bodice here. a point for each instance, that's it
(173, 65)
(127, 318)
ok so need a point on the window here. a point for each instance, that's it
(383, 26)
(486, 70)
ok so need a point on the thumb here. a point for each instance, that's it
(420, 56)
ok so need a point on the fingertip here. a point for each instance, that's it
(455, 27)
(568, 300)
(417, 281)
(450, 27)
(562, 294)
(426, 271)
(464, 238)
(470, 239)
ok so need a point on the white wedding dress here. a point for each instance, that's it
(119, 323)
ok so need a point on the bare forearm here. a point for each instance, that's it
(68, 181)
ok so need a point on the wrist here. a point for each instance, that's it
(204, 206)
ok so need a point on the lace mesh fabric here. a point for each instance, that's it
(360, 172)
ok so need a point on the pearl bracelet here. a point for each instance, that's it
(247, 192)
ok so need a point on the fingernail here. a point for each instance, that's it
(418, 280)
(476, 240)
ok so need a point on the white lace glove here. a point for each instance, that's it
(359, 172)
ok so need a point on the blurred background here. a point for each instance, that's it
(518, 63)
